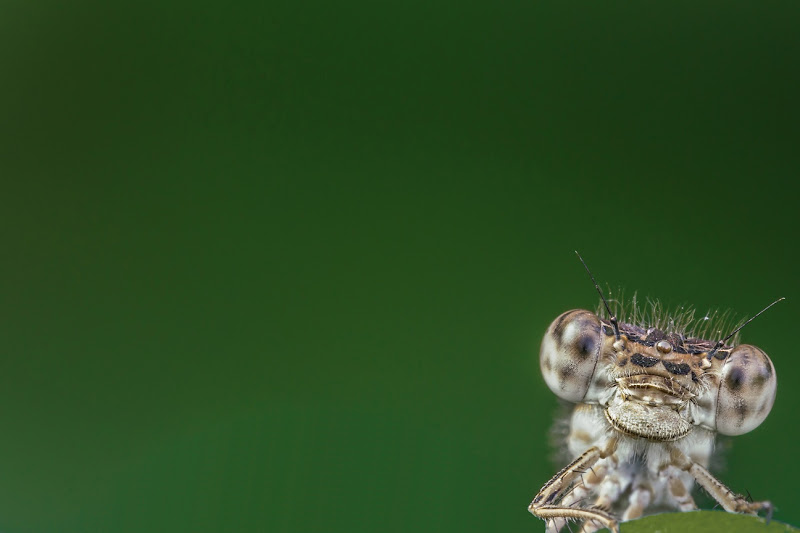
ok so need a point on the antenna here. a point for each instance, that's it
(734, 332)
(611, 316)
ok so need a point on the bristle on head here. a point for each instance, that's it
(682, 320)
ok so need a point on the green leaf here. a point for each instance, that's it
(705, 522)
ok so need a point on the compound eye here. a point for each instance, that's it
(746, 390)
(570, 349)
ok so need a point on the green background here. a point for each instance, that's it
(286, 266)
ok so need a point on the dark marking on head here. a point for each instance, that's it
(694, 377)
(678, 369)
(735, 379)
(654, 335)
(721, 355)
(586, 346)
(608, 330)
(643, 360)
(680, 343)
(622, 361)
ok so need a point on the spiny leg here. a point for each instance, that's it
(576, 495)
(729, 500)
(554, 511)
(579, 492)
(544, 504)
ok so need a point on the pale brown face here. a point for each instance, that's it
(668, 377)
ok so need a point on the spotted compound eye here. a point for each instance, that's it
(746, 390)
(569, 354)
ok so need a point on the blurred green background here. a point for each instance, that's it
(285, 266)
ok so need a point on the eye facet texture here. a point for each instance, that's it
(746, 390)
(569, 354)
